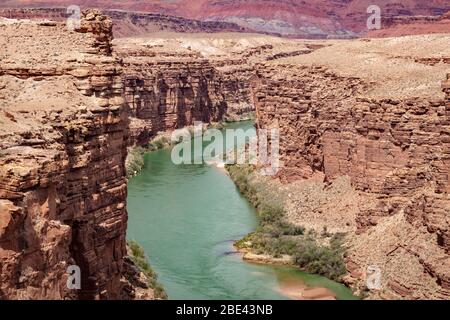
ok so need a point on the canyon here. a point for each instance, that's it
(172, 80)
(408, 25)
(364, 144)
(71, 103)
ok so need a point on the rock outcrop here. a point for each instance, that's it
(237, 67)
(386, 127)
(374, 128)
(64, 132)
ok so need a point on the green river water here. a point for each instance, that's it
(186, 217)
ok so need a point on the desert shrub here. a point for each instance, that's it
(242, 243)
(158, 143)
(277, 237)
(283, 245)
(319, 259)
(325, 233)
(289, 229)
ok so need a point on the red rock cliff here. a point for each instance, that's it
(128, 23)
(172, 80)
(64, 132)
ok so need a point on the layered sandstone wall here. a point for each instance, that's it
(392, 145)
(64, 132)
(166, 90)
(238, 67)
(312, 19)
(172, 80)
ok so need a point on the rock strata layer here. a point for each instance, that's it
(316, 19)
(366, 141)
(71, 103)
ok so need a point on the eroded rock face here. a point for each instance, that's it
(238, 66)
(64, 132)
(395, 26)
(393, 145)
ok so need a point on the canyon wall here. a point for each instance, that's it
(168, 88)
(64, 132)
(389, 135)
(173, 80)
(238, 66)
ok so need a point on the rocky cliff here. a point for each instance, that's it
(236, 63)
(384, 124)
(64, 132)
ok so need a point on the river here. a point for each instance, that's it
(186, 217)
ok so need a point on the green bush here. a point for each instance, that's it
(140, 259)
(135, 161)
(323, 260)
(158, 143)
(288, 229)
(277, 237)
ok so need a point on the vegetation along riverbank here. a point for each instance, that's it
(148, 277)
(278, 241)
